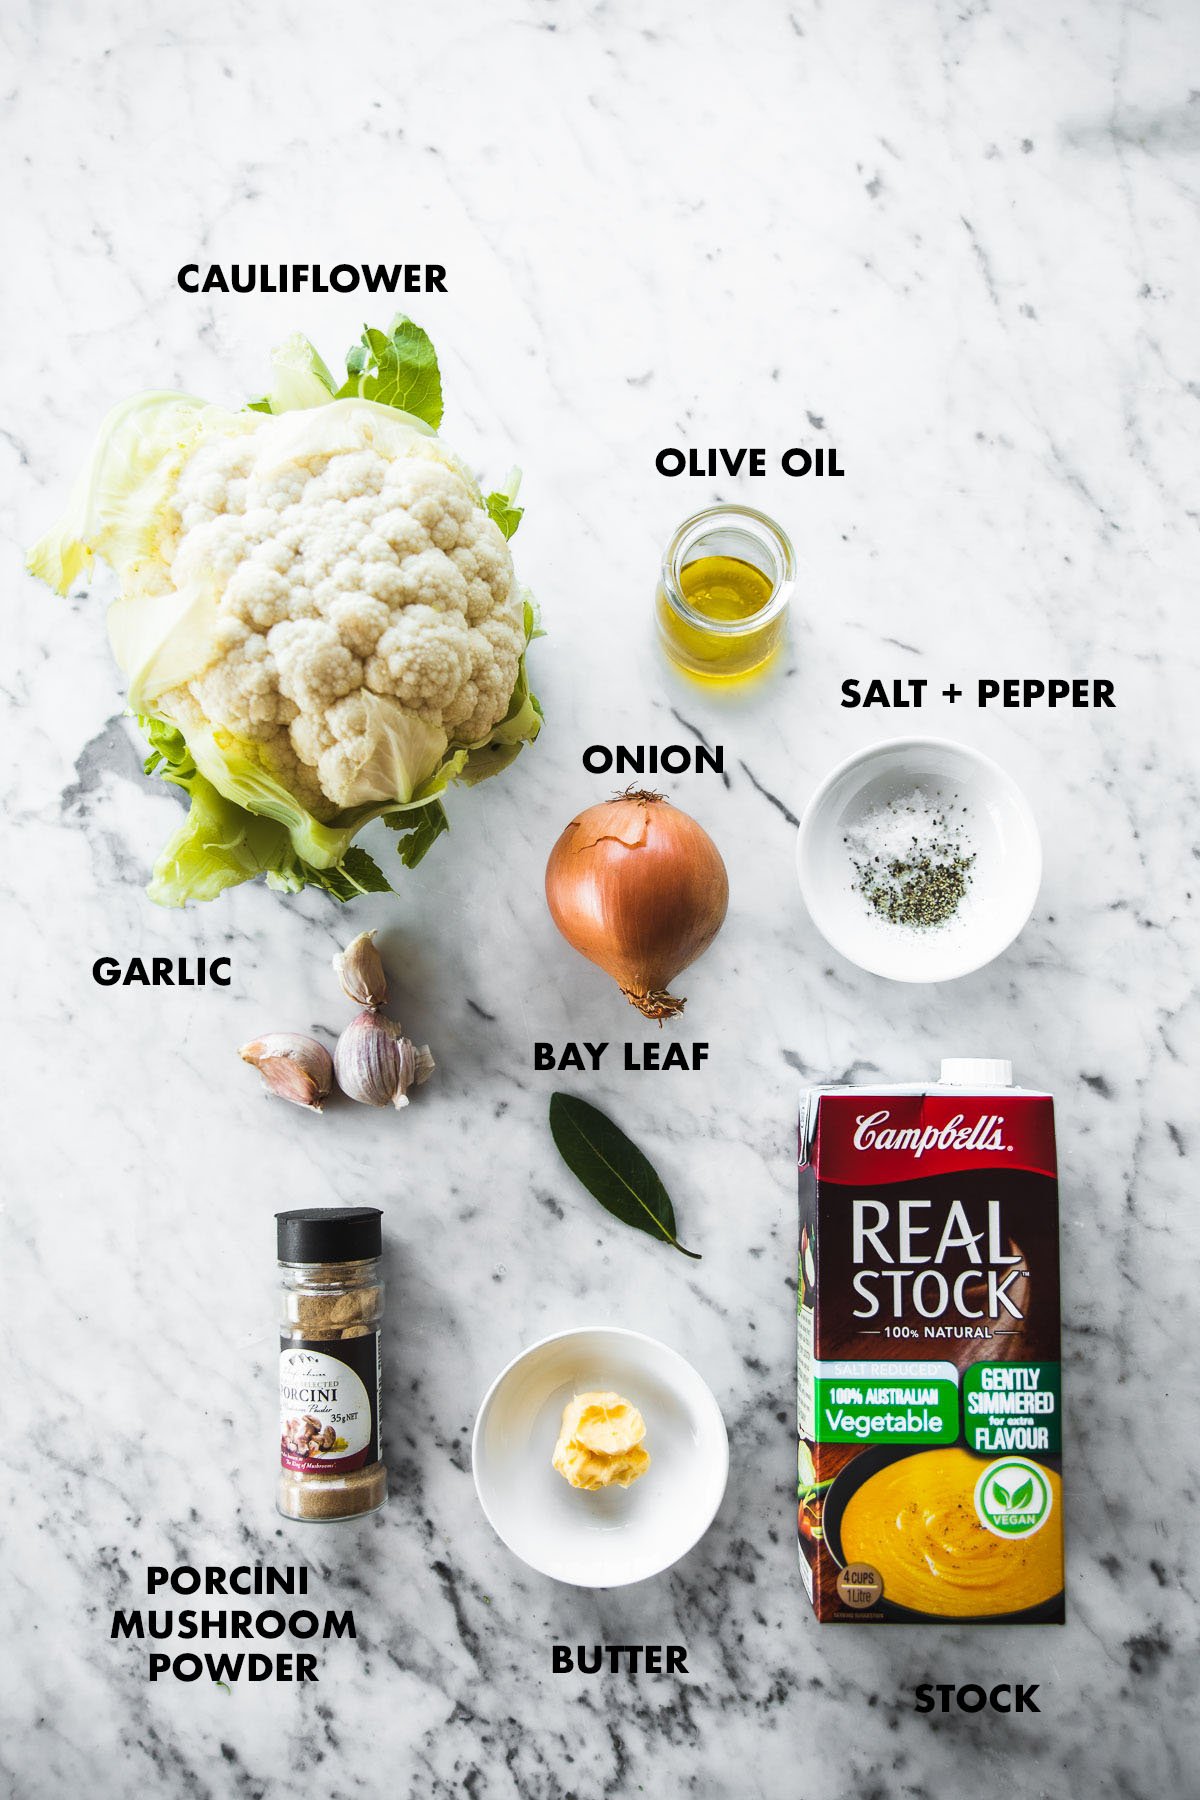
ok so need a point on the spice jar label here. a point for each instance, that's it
(329, 1406)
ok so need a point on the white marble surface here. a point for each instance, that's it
(957, 242)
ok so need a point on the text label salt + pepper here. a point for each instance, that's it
(904, 693)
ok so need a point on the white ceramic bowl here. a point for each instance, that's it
(606, 1539)
(1004, 878)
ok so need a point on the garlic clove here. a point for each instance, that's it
(359, 968)
(425, 1065)
(294, 1067)
(367, 1059)
(375, 1063)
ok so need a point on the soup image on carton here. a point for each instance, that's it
(928, 1369)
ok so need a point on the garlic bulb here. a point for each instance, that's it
(359, 968)
(294, 1067)
(376, 1064)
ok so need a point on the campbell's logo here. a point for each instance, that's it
(874, 1133)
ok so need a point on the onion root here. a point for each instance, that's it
(658, 1006)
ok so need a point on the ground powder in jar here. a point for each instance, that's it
(331, 1312)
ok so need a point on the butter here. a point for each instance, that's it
(600, 1442)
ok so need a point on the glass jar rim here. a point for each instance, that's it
(339, 1272)
(757, 525)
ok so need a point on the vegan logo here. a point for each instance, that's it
(1013, 1497)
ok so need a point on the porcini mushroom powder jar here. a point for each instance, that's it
(331, 1310)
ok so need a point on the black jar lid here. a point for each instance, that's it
(329, 1234)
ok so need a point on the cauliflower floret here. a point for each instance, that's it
(315, 667)
(256, 594)
(212, 551)
(229, 634)
(430, 579)
(500, 639)
(243, 694)
(485, 558)
(311, 737)
(332, 540)
(283, 490)
(259, 522)
(273, 553)
(214, 480)
(301, 603)
(202, 499)
(347, 574)
(442, 506)
(486, 568)
(423, 659)
(354, 474)
(401, 531)
(360, 621)
(385, 581)
(462, 711)
(495, 656)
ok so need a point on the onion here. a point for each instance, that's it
(640, 890)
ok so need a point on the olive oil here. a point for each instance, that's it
(724, 587)
(721, 615)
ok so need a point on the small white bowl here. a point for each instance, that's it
(606, 1539)
(1004, 878)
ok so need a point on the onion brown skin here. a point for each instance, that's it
(640, 889)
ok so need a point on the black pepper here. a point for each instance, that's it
(922, 885)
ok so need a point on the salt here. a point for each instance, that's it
(912, 865)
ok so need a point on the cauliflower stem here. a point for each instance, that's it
(317, 614)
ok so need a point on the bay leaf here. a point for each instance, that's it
(613, 1169)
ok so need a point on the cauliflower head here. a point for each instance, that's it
(364, 611)
(318, 613)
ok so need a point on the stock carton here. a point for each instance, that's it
(928, 1371)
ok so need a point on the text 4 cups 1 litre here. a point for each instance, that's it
(929, 1372)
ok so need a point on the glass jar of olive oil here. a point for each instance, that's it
(727, 578)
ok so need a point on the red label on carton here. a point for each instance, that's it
(898, 1137)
